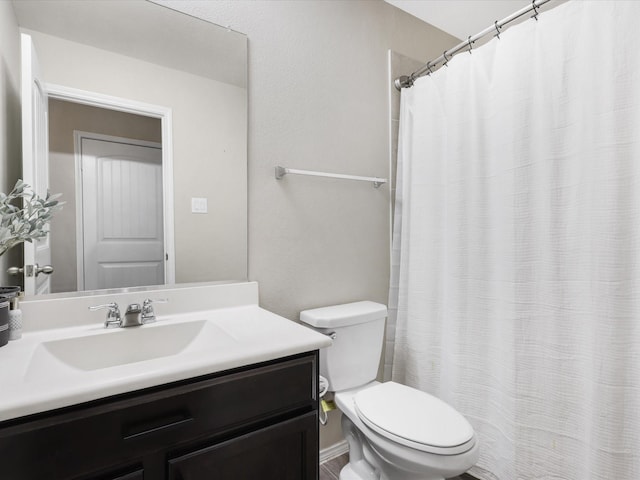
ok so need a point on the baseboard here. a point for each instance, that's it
(333, 451)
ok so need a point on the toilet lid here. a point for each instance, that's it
(413, 418)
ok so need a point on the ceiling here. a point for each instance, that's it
(144, 31)
(460, 18)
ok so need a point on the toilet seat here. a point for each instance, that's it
(414, 419)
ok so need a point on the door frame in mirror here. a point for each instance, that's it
(81, 189)
(164, 114)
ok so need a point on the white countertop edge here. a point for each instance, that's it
(27, 398)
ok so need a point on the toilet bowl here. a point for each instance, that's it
(411, 435)
(394, 432)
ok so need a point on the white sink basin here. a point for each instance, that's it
(116, 347)
(55, 368)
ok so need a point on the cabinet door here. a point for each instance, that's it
(137, 475)
(125, 431)
(284, 451)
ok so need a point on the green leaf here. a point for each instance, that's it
(28, 221)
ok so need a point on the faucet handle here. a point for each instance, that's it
(148, 315)
(113, 315)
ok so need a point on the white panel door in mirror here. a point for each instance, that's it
(122, 217)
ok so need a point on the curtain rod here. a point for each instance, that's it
(406, 81)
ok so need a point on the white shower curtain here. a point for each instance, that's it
(516, 282)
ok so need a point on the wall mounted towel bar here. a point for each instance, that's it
(282, 171)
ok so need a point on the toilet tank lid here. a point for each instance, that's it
(343, 315)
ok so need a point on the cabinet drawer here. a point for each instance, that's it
(137, 475)
(284, 451)
(92, 438)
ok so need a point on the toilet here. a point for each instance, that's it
(394, 432)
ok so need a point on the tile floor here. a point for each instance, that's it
(330, 470)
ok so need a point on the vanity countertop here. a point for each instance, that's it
(59, 367)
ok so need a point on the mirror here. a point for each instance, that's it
(147, 54)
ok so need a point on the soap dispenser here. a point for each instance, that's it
(15, 317)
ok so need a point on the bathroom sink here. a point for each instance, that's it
(116, 347)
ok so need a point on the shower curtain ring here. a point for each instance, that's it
(470, 43)
(446, 60)
(495, 24)
(535, 10)
(429, 68)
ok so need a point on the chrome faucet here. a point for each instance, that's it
(134, 316)
(113, 314)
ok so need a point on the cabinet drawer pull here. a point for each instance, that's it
(154, 426)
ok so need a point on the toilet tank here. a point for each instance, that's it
(357, 330)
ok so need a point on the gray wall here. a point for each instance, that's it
(10, 129)
(319, 100)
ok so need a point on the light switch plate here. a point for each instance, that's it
(198, 205)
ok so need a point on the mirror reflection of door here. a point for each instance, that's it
(121, 221)
(34, 162)
(104, 249)
(195, 88)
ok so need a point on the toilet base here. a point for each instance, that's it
(365, 463)
(373, 457)
(347, 473)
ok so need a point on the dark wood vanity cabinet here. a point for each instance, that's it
(277, 452)
(255, 422)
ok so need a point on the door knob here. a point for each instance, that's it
(15, 270)
(30, 270)
(46, 269)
